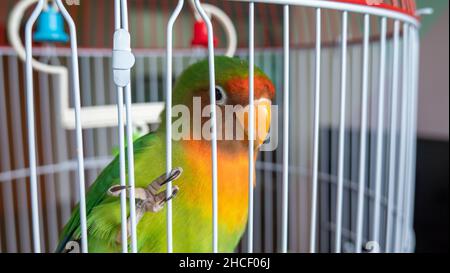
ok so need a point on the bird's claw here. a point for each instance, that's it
(166, 178)
(149, 199)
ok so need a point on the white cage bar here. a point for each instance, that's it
(343, 212)
(251, 93)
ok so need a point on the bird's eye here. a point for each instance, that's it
(220, 95)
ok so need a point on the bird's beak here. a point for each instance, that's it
(262, 120)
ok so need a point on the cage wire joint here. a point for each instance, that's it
(123, 59)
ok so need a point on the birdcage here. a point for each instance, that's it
(341, 178)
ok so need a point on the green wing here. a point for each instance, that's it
(98, 191)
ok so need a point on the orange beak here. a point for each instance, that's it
(262, 119)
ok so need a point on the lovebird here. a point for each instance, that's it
(192, 205)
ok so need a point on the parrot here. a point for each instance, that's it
(192, 211)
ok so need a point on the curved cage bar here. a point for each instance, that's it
(31, 123)
(31, 126)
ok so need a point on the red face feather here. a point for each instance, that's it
(237, 89)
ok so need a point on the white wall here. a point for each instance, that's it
(434, 81)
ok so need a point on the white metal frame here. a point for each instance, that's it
(169, 119)
(31, 123)
(408, 124)
(251, 135)
(122, 81)
(345, 8)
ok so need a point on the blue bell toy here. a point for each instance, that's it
(50, 27)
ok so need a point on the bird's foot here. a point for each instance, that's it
(150, 199)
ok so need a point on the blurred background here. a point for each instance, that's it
(148, 19)
(432, 196)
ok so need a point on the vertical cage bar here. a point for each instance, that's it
(140, 79)
(212, 83)
(79, 135)
(25, 244)
(251, 130)
(340, 184)
(129, 137)
(411, 136)
(86, 79)
(410, 140)
(286, 97)
(101, 144)
(121, 133)
(415, 77)
(130, 157)
(51, 206)
(393, 137)
(5, 164)
(268, 180)
(403, 140)
(169, 60)
(380, 132)
(363, 138)
(312, 247)
(31, 125)
(152, 63)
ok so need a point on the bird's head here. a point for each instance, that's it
(232, 99)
